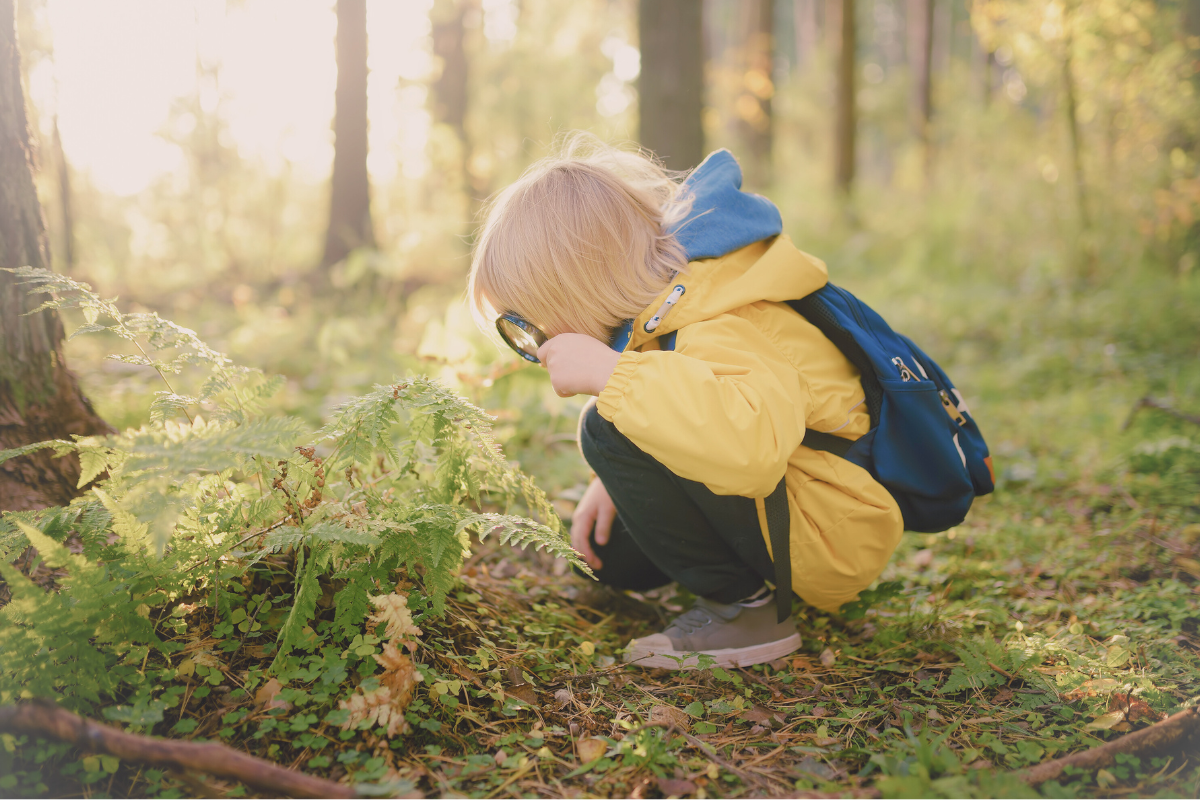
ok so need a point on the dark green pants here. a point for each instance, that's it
(669, 528)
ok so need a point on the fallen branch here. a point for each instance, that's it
(1159, 736)
(43, 718)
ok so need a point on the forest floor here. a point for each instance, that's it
(1056, 618)
(1065, 612)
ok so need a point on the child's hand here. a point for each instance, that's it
(595, 508)
(577, 364)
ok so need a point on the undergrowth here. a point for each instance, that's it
(311, 597)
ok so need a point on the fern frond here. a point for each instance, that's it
(60, 446)
(180, 449)
(521, 532)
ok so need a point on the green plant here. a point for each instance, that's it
(182, 514)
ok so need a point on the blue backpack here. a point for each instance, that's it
(923, 446)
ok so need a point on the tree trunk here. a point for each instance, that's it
(753, 104)
(846, 92)
(39, 397)
(64, 199)
(671, 83)
(920, 59)
(350, 201)
(450, 86)
(805, 19)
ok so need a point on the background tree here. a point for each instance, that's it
(350, 199)
(39, 398)
(671, 82)
(920, 59)
(846, 116)
(756, 52)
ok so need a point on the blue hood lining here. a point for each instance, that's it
(723, 217)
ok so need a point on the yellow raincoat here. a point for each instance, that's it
(729, 407)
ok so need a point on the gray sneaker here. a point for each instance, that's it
(732, 635)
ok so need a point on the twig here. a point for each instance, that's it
(1149, 402)
(44, 718)
(586, 675)
(1159, 736)
(671, 728)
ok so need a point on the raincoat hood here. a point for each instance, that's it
(736, 251)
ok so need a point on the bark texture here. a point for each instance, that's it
(39, 397)
(350, 197)
(43, 718)
(1178, 730)
(671, 83)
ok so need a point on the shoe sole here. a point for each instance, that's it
(729, 657)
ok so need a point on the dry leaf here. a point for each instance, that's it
(800, 662)
(376, 708)
(668, 715)
(591, 749)
(393, 610)
(819, 711)
(385, 706)
(1103, 723)
(562, 697)
(1093, 688)
(1134, 708)
(670, 787)
(524, 692)
(828, 659)
(762, 714)
(779, 664)
(264, 698)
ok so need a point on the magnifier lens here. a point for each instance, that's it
(520, 339)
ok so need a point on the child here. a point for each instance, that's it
(687, 440)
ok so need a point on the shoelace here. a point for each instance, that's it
(692, 620)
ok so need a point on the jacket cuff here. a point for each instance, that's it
(610, 398)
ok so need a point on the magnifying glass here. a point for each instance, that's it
(521, 335)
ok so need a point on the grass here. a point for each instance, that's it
(1067, 598)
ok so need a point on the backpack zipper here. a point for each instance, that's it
(906, 374)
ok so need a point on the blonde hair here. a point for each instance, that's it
(581, 242)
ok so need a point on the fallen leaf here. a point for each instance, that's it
(591, 749)
(819, 711)
(800, 662)
(562, 697)
(1106, 721)
(1092, 688)
(1135, 708)
(934, 715)
(523, 692)
(669, 787)
(668, 715)
(264, 698)
(757, 729)
(465, 673)
(779, 665)
(828, 659)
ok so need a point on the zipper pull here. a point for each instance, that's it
(951, 409)
(906, 374)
